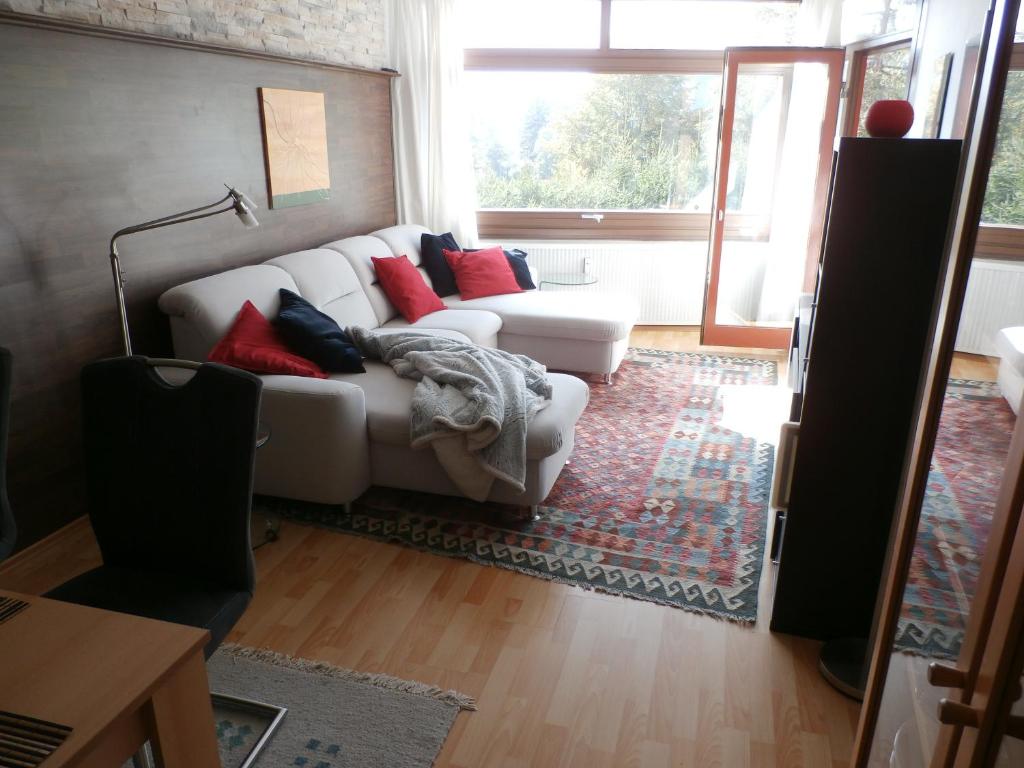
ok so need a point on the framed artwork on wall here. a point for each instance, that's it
(295, 147)
(937, 96)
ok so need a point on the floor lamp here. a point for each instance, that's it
(234, 200)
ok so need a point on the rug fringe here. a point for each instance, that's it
(377, 679)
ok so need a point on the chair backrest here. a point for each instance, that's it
(170, 468)
(8, 530)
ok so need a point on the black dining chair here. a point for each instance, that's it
(8, 531)
(169, 473)
(169, 491)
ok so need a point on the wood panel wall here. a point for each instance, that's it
(97, 134)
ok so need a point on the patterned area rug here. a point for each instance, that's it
(967, 465)
(660, 501)
(336, 717)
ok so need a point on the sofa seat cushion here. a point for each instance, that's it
(478, 326)
(559, 314)
(389, 400)
(1010, 344)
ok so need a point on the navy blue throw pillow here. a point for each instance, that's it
(315, 336)
(517, 260)
(432, 259)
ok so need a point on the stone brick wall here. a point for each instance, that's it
(337, 31)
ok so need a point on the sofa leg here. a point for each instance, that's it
(348, 508)
(522, 514)
(607, 379)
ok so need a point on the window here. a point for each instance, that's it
(504, 24)
(1004, 196)
(864, 19)
(625, 127)
(700, 24)
(568, 140)
(881, 72)
(1001, 234)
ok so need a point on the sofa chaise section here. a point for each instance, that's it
(564, 330)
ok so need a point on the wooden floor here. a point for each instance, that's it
(562, 676)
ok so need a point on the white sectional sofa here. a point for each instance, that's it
(333, 438)
(1010, 343)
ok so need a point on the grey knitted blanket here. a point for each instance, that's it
(472, 404)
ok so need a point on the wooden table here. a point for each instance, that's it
(116, 680)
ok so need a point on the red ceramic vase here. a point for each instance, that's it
(889, 118)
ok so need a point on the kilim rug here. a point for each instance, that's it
(660, 502)
(967, 465)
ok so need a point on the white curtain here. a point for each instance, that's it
(818, 24)
(434, 181)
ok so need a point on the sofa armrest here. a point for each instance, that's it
(318, 448)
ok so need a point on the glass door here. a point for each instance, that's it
(779, 112)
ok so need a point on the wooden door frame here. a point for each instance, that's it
(975, 163)
(766, 338)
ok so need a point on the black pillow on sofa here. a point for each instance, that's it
(315, 336)
(433, 261)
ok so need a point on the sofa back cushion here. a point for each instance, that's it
(360, 252)
(327, 280)
(203, 310)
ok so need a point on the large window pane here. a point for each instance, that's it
(582, 140)
(531, 23)
(869, 18)
(1004, 196)
(700, 24)
(886, 76)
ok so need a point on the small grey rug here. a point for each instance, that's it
(337, 718)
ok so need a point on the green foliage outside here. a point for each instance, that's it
(1004, 196)
(634, 142)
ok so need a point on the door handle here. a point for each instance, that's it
(955, 713)
(943, 676)
(721, 215)
(598, 217)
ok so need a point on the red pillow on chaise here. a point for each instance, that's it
(482, 273)
(405, 287)
(253, 344)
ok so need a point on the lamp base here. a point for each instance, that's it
(843, 663)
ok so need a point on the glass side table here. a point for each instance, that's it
(567, 278)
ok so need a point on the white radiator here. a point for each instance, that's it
(666, 278)
(995, 300)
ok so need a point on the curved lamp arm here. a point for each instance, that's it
(242, 206)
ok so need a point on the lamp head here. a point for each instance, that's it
(244, 206)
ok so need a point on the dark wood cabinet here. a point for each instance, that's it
(889, 210)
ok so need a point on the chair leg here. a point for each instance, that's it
(607, 379)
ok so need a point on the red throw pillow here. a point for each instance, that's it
(253, 344)
(482, 273)
(406, 288)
